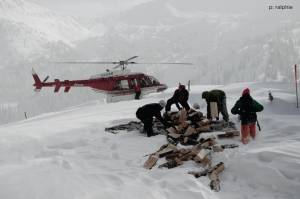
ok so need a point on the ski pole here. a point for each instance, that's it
(258, 125)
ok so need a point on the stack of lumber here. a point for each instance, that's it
(188, 141)
(200, 153)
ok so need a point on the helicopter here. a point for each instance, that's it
(118, 84)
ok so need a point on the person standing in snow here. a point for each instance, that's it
(146, 114)
(138, 91)
(270, 96)
(219, 97)
(180, 96)
(247, 107)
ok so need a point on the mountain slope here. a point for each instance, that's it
(29, 28)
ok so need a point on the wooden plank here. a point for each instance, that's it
(201, 129)
(180, 129)
(171, 130)
(214, 110)
(184, 124)
(203, 153)
(229, 134)
(205, 143)
(206, 161)
(213, 174)
(174, 135)
(168, 150)
(151, 161)
(182, 116)
(190, 131)
(203, 157)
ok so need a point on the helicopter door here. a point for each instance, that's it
(132, 83)
(124, 84)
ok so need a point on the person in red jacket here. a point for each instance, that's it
(138, 91)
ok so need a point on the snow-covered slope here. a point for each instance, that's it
(30, 27)
(69, 155)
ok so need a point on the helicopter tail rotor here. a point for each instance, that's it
(37, 81)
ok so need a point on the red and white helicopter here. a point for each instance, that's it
(118, 84)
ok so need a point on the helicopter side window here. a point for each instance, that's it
(132, 83)
(122, 84)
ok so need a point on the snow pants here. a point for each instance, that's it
(137, 95)
(246, 130)
(148, 122)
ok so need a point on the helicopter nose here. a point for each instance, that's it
(162, 87)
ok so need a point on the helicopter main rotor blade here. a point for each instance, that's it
(84, 62)
(131, 58)
(165, 63)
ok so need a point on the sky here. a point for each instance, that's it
(88, 8)
(98, 8)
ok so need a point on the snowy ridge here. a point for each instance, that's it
(42, 20)
(30, 27)
(68, 155)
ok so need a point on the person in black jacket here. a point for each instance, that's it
(219, 97)
(180, 96)
(247, 107)
(146, 114)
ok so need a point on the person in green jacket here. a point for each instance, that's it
(247, 107)
(219, 97)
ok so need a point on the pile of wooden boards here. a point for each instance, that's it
(187, 129)
(187, 132)
(200, 153)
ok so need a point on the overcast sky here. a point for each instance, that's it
(88, 8)
(98, 8)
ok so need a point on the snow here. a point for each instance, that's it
(68, 154)
(40, 19)
(31, 28)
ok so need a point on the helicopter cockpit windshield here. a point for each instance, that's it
(153, 80)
